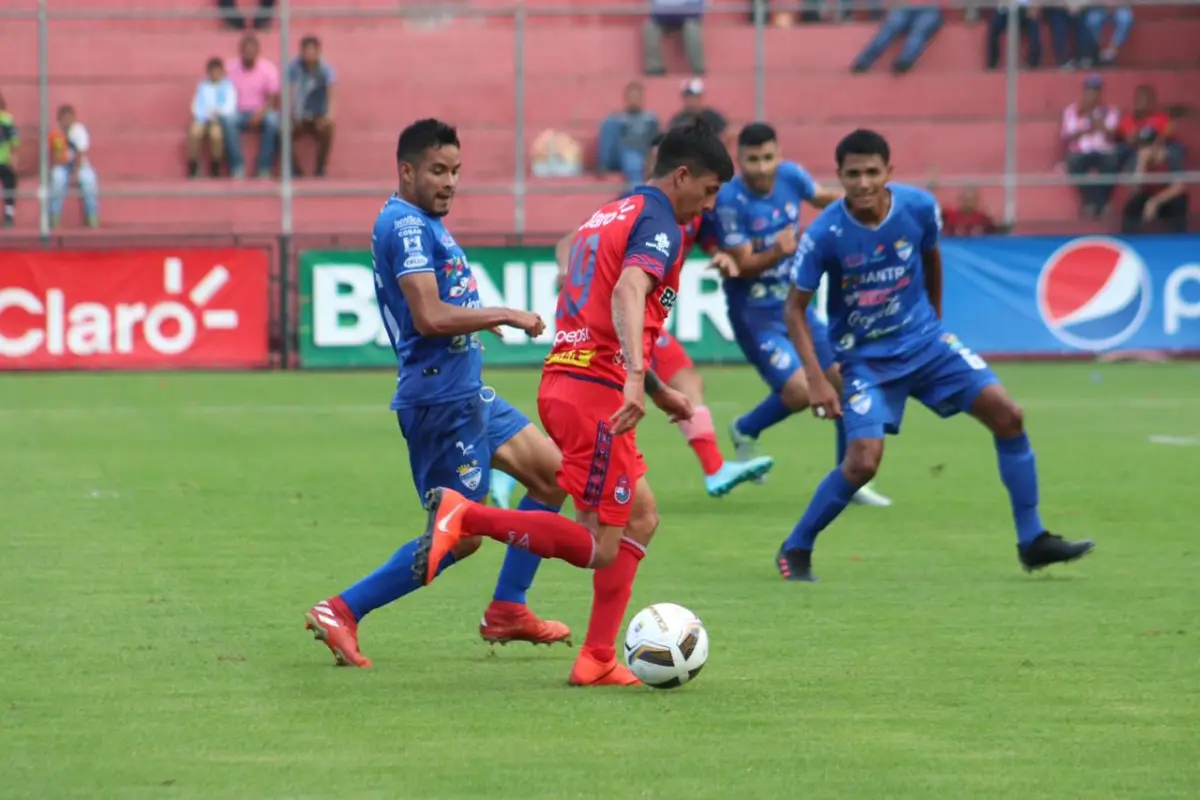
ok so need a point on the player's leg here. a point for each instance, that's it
(867, 495)
(959, 380)
(871, 411)
(521, 450)
(771, 353)
(672, 364)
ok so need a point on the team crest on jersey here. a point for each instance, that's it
(448, 240)
(622, 492)
(861, 403)
(791, 210)
(903, 248)
(470, 474)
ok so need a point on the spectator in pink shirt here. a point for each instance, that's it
(1089, 135)
(256, 81)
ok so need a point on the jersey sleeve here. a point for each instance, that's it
(798, 176)
(412, 249)
(811, 261)
(655, 242)
(729, 230)
(930, 219)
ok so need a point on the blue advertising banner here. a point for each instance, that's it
(1052, 296)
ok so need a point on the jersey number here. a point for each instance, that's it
(974, 360)
(581, 266)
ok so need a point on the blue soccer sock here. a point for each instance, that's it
(841, 441)
(390, 582)
(770, 411)
(519, 567)
(1018, 470)
(831, 498)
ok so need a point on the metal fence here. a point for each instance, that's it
(43, 17)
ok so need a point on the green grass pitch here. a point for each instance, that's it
(162, 535)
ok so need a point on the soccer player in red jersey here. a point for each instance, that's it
(622, 280)
(671, 363)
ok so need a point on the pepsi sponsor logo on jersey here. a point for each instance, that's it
(1094, 293)
(470, 474)
(623, 492)
(573, 338)
(661, 243)
(860, 403)
(904, 249)
(414, 261)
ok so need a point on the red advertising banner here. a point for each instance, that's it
(134, 309)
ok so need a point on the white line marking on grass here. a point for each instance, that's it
(1177, 441)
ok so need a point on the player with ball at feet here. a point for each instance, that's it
(885, 326)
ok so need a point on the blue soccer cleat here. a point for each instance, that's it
(502, 487)
(733, 473)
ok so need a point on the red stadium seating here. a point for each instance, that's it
(132, 82)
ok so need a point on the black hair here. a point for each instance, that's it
(212, 63)
(657, 140)
(421, 136)
(695, 146)
(862, 142)
(247, 39)
(756, 134)
(63, 109)
(309, 39)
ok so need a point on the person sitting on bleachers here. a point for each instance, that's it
(1145, 113)
(1096, 17)
(1027, 25)
(69, 147)
(1089, 131)
(625, 137)
(311, 81)
(671, 15)
(917, 23)
(215, 98)
(256, 80)
(1161, 195)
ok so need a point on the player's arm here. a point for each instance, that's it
(809, 190)
(629, 316)
(731, 237)
(823, 196)
(806, 277)
(931, 256)
(562, 257)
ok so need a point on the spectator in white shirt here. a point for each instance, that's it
(69, 148)
(1089, 131)
(215, 98)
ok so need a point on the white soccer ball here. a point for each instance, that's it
(666, 645)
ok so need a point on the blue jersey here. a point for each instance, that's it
(877, 304)
(745, 217)
(407, 241)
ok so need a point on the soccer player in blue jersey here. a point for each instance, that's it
(879, 249)
(456, 428)
(757, 216)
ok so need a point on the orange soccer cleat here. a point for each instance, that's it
(443, 532)
(587, 671)
(332, 623)
(505, 622)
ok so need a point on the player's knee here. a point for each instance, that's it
(642, 526)
(795, 394)
(606, 551)
(1008, 421)
(466, 547)
(545, 490)
(863, 457)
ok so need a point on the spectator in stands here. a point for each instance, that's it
(1089, 131)
(256, 81)
(234, 19)
(1161, 195)
(1069, 36)
(694, 109)
(625, 137)
(917, 23)
(9, 142)
(671, 15)
(1027, 24)
(1146, 113)
(311, 81)
(1097, 16)
(215, 98)
(69, 147)
(967, 219)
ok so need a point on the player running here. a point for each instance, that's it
(757, 215)
(879, 247)
(455, 427)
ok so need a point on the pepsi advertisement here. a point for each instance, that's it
(1073, 296)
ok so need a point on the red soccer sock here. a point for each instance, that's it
(540, 532)
(703, 440)
(611, 588)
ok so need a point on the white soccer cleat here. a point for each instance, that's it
(867, 496)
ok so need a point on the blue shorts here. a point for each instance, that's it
(944, 375)
(767, 346)
(451, 444)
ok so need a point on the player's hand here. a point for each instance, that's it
(824, 399)
(725, 264)
(526, 321)
(674, 404)
(786, 241)
(634, 407)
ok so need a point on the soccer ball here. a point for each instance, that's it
(666, 645)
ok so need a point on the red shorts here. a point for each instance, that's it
(668, 357)
(599, 471)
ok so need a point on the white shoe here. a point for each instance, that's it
(867, 496)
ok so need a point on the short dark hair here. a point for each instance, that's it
(65, 109)
(862, 142)
(212, 63)
(695, 146)
(309, 39)
(756, 134)
(657, 140)
(422, 135)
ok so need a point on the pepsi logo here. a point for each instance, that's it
(1094, 293)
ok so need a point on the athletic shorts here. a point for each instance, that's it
(451, 444)
(766, 344)
(668, 358)
(944, 375)
(599, 471)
